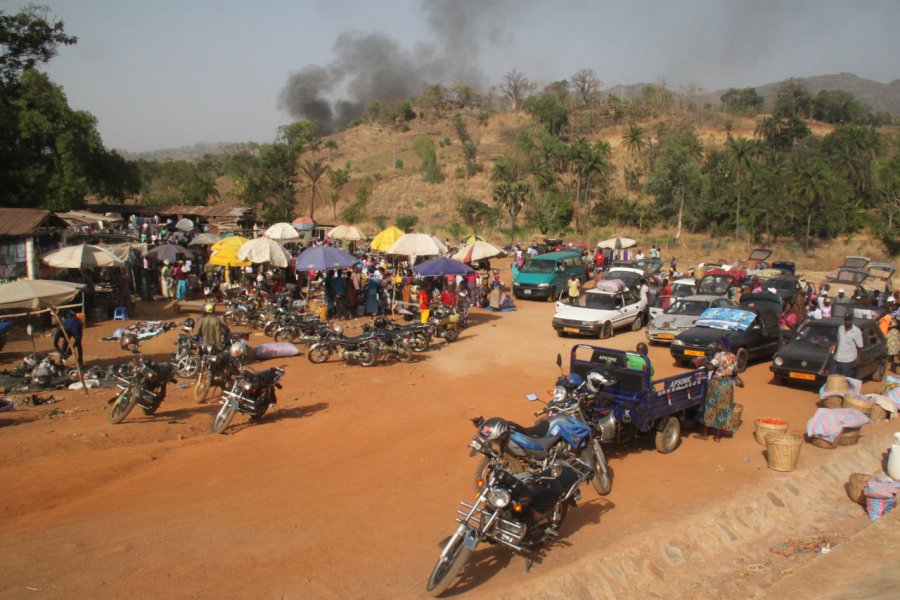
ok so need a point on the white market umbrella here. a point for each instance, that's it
(617, 243)
(264, 250)
(281, 231)
(418, 244)
(478, 250)
(184, 225)
(346, 232)
(36, 294)
(205, 239)
(83, 256)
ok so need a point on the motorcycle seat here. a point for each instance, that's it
(355, 339)
(538, 430)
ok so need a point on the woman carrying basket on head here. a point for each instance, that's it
(718, 413)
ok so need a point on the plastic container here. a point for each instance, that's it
(893, 462)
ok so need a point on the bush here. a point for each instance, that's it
(406, 222)
(398, 164)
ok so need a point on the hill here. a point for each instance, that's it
(881, 97)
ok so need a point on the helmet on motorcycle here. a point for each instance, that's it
(339, 329)
(129, 341)
(188, 323)
(493, 429)
(575, 379)
(236, 350)
(379, 321)
(209, 308)
(596, 382)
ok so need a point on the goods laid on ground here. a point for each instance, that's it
(832, 427)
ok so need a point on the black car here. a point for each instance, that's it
(784, 286)
(806, 358)
(759, 340)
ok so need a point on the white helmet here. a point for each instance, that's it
(339, 329)
(595, 382)
(236, 350)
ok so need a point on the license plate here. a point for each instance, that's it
(666, 336)
(570, 329)
(806, 376)
(694, 353)
(527, 292)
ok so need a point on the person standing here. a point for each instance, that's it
(574, 287)
(166, 280)
(424, 307)
(718, 409)
(210, 330)
(846, 350)
(893, 344)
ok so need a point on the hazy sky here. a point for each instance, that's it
(164, 73)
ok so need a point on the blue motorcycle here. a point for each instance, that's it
(517, 448)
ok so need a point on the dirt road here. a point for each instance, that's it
(343, 491)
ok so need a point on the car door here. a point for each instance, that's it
(874, 350)
(631, 306)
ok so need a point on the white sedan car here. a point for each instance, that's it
(681, 315)
(599, 312)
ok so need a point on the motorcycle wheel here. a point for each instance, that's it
(451, 335)
(318, 353)
(485, 466)
(223, 417)
(366, 357)
(149, 410)
(420, 342)
(201, 388)
(121, 407)
(231, 319)
(187, 366)
(558, 521)
(403, 354)
(286, 334)
(260, 412)
(270, 328)
(448, 565)
(601, 483)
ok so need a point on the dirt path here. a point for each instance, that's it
(342, 492)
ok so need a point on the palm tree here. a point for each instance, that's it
(810, 184)
(313, 170)
(511, 197)
(635, 140)
(741, 152)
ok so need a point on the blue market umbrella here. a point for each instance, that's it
(440, 266)
(321, 258)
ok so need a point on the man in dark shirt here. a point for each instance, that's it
(74, 329)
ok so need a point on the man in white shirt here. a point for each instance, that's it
(846, 351)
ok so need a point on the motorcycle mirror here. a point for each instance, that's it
(559, 360)
(531, 397)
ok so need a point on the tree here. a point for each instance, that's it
(547, 111)
(332, 146)
(516, 87)
(406, 222)
(781, 133)
(587, 86)
(552, 211)
(676, 176)
(792, 100)
(356, 211)
(589, 164)
(28, 39)
(337, 179)
(841, 108)
(512, 197)
(470, 149)
(745, 101)
(635, 139)
(424, 148)
(271, 186)
(474, 213)
(741, 152)
(314, 171)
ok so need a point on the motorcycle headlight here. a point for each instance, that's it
(559, 393)
(499, 497)
(246, 386)
(778, 361)
(677, 343)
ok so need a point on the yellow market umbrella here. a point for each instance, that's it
(384, 240)
(228, 258)
(234, 241)
(470, 241)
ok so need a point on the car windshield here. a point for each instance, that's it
(596, 301)
(537, 265)
(820, 335)
(627, 277)
(687, 307)
(682, 289)
(714, 284)
(782, 285)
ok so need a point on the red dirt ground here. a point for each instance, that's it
(343, 491)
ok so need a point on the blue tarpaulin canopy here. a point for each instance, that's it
(437, 267)
(726, 318)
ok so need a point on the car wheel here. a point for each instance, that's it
(743, 357)
(551, 295)
(880, 372)
(606, 331)
(560, 333)
(637, 323)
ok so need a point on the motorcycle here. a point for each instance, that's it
(363, 349)
(396, 344)
(519, 511)
(217, 369)
(421, 333)
(245, 313)
(251, 393)
(304, 329)
(145, 387)
(560, 434)
(445, 323)
(187, 355)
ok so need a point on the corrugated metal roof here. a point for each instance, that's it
(23, 221)
(173, 210)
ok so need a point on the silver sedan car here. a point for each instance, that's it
(681, 315)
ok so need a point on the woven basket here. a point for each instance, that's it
(855, 487)
(823, 443)
(832, 402)
(860, 405)
(783, 450)
(766, 426)
(878, 413)
(849, 436)
(737, 415)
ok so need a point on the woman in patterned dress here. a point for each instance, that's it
(719, 407)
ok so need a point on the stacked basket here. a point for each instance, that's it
(766, 426)
(783, 450)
